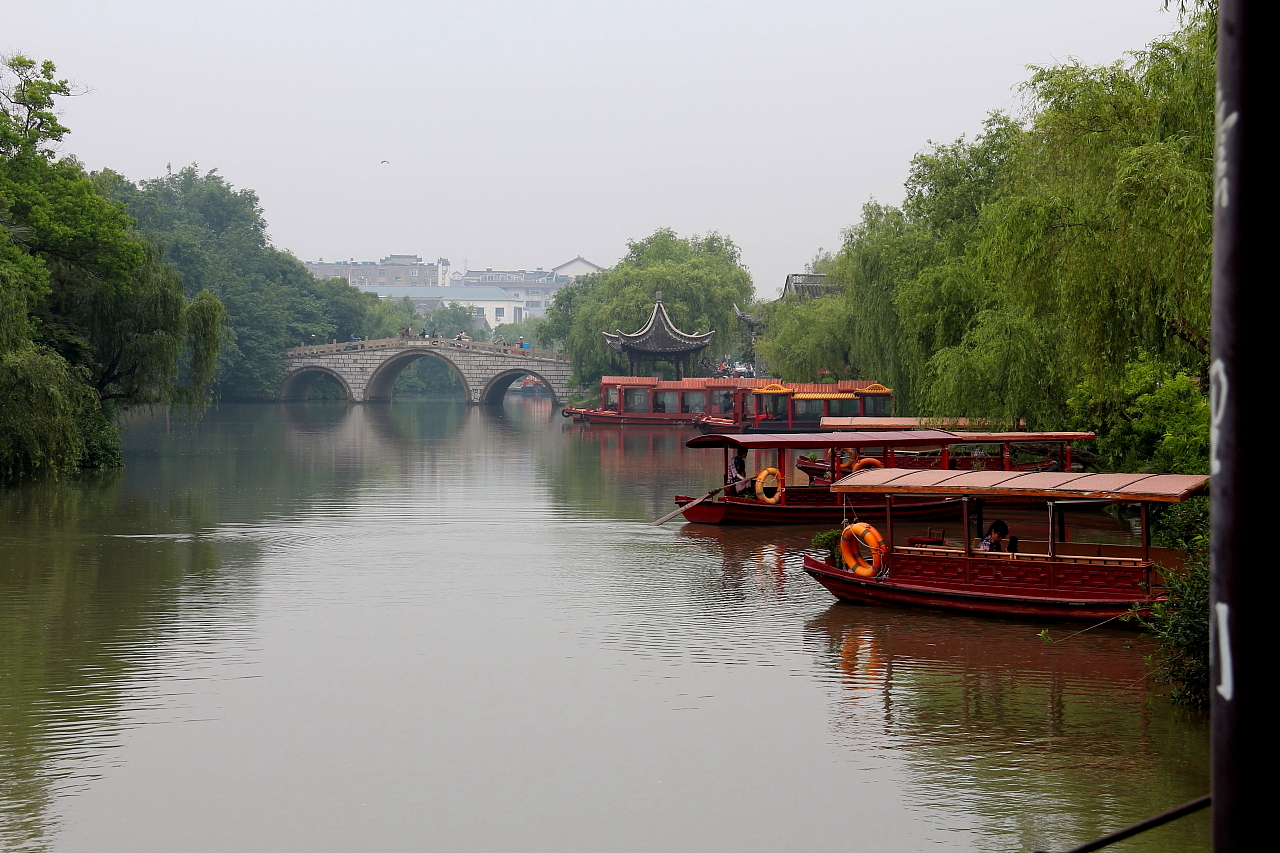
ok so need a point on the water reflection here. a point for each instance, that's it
(1046, 745)
(367, 624)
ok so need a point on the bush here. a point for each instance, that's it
(1181, 628)
(829, 541)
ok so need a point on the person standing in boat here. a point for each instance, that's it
(736, 480)
(996, 534)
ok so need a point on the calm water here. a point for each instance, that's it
(424, 626)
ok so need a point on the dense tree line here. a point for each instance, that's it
(116, 294)
(1053, 271)
(93, 319)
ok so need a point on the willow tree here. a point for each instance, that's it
(1098, 254)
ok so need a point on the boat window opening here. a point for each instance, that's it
(749, 406)
(722, 402)
(772, 405)
(611, 399)
(842, 408)
(666, 401)
(876, 406)
(635, 400)
(809, 410)
(693, 403)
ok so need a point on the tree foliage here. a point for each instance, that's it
(92, 318)
(700, 278)
(1041, 262)
(216, 237)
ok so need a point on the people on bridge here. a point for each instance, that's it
(353, 337)
(500, 340)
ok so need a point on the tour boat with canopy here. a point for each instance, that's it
(1044, 577)
(734, 404)
(770, 500)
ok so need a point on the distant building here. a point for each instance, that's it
(528, 292)
(391, 271)
(576, 267)
(493, 306)
(536, 287)
(806, 285)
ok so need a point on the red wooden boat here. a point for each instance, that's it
(1044, 578)
(998, 451)
(776, 502)
(731, 404)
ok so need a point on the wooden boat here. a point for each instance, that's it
(1044, 578)
(776, 502)
(731, 404)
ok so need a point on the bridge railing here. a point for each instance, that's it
(447, 344)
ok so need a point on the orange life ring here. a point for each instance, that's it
(869, 536)
(760, 478)
(864, 462)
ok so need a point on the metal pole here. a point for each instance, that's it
(1244, 193)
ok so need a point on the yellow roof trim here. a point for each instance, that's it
(834, 395)
(876, 388)
(775, 388)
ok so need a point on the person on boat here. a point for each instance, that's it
(996, 533)
(736, 479)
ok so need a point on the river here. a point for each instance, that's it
(427, 626)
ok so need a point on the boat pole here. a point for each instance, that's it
(1240, 372)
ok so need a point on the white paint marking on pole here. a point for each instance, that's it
(1226, 683)
(1219, 388)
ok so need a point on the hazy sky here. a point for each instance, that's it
(522, 134)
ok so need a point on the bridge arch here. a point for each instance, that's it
(497, 386)
(383, 379)
(297, 384)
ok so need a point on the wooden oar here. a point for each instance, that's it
(681, 509)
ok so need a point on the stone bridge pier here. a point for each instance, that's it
(368, 369)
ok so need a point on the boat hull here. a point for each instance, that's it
(973, 597)
(747, 511)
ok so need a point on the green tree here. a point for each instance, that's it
(700, 278)
(217, 238)
(93, 319)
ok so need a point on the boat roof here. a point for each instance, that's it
(1021, 437)
(822, 440)
(1168, 488)
(877, 438)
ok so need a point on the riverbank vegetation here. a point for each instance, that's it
(94, 319)
(1052, 270)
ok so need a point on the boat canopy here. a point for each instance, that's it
(1021, 437)
(880, 438)
(1166, 488)
(825, 440)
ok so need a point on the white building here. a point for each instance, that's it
(527, 293)
(493, 305)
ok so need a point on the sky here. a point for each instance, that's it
(523, 134)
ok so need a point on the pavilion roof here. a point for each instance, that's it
(658, 336)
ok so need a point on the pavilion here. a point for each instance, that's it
(659, 340)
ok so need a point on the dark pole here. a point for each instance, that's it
(1244, 277)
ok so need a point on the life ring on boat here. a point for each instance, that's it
(858, 464)
(869, 536)
(760, 478)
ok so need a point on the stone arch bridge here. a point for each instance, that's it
(368, 369)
